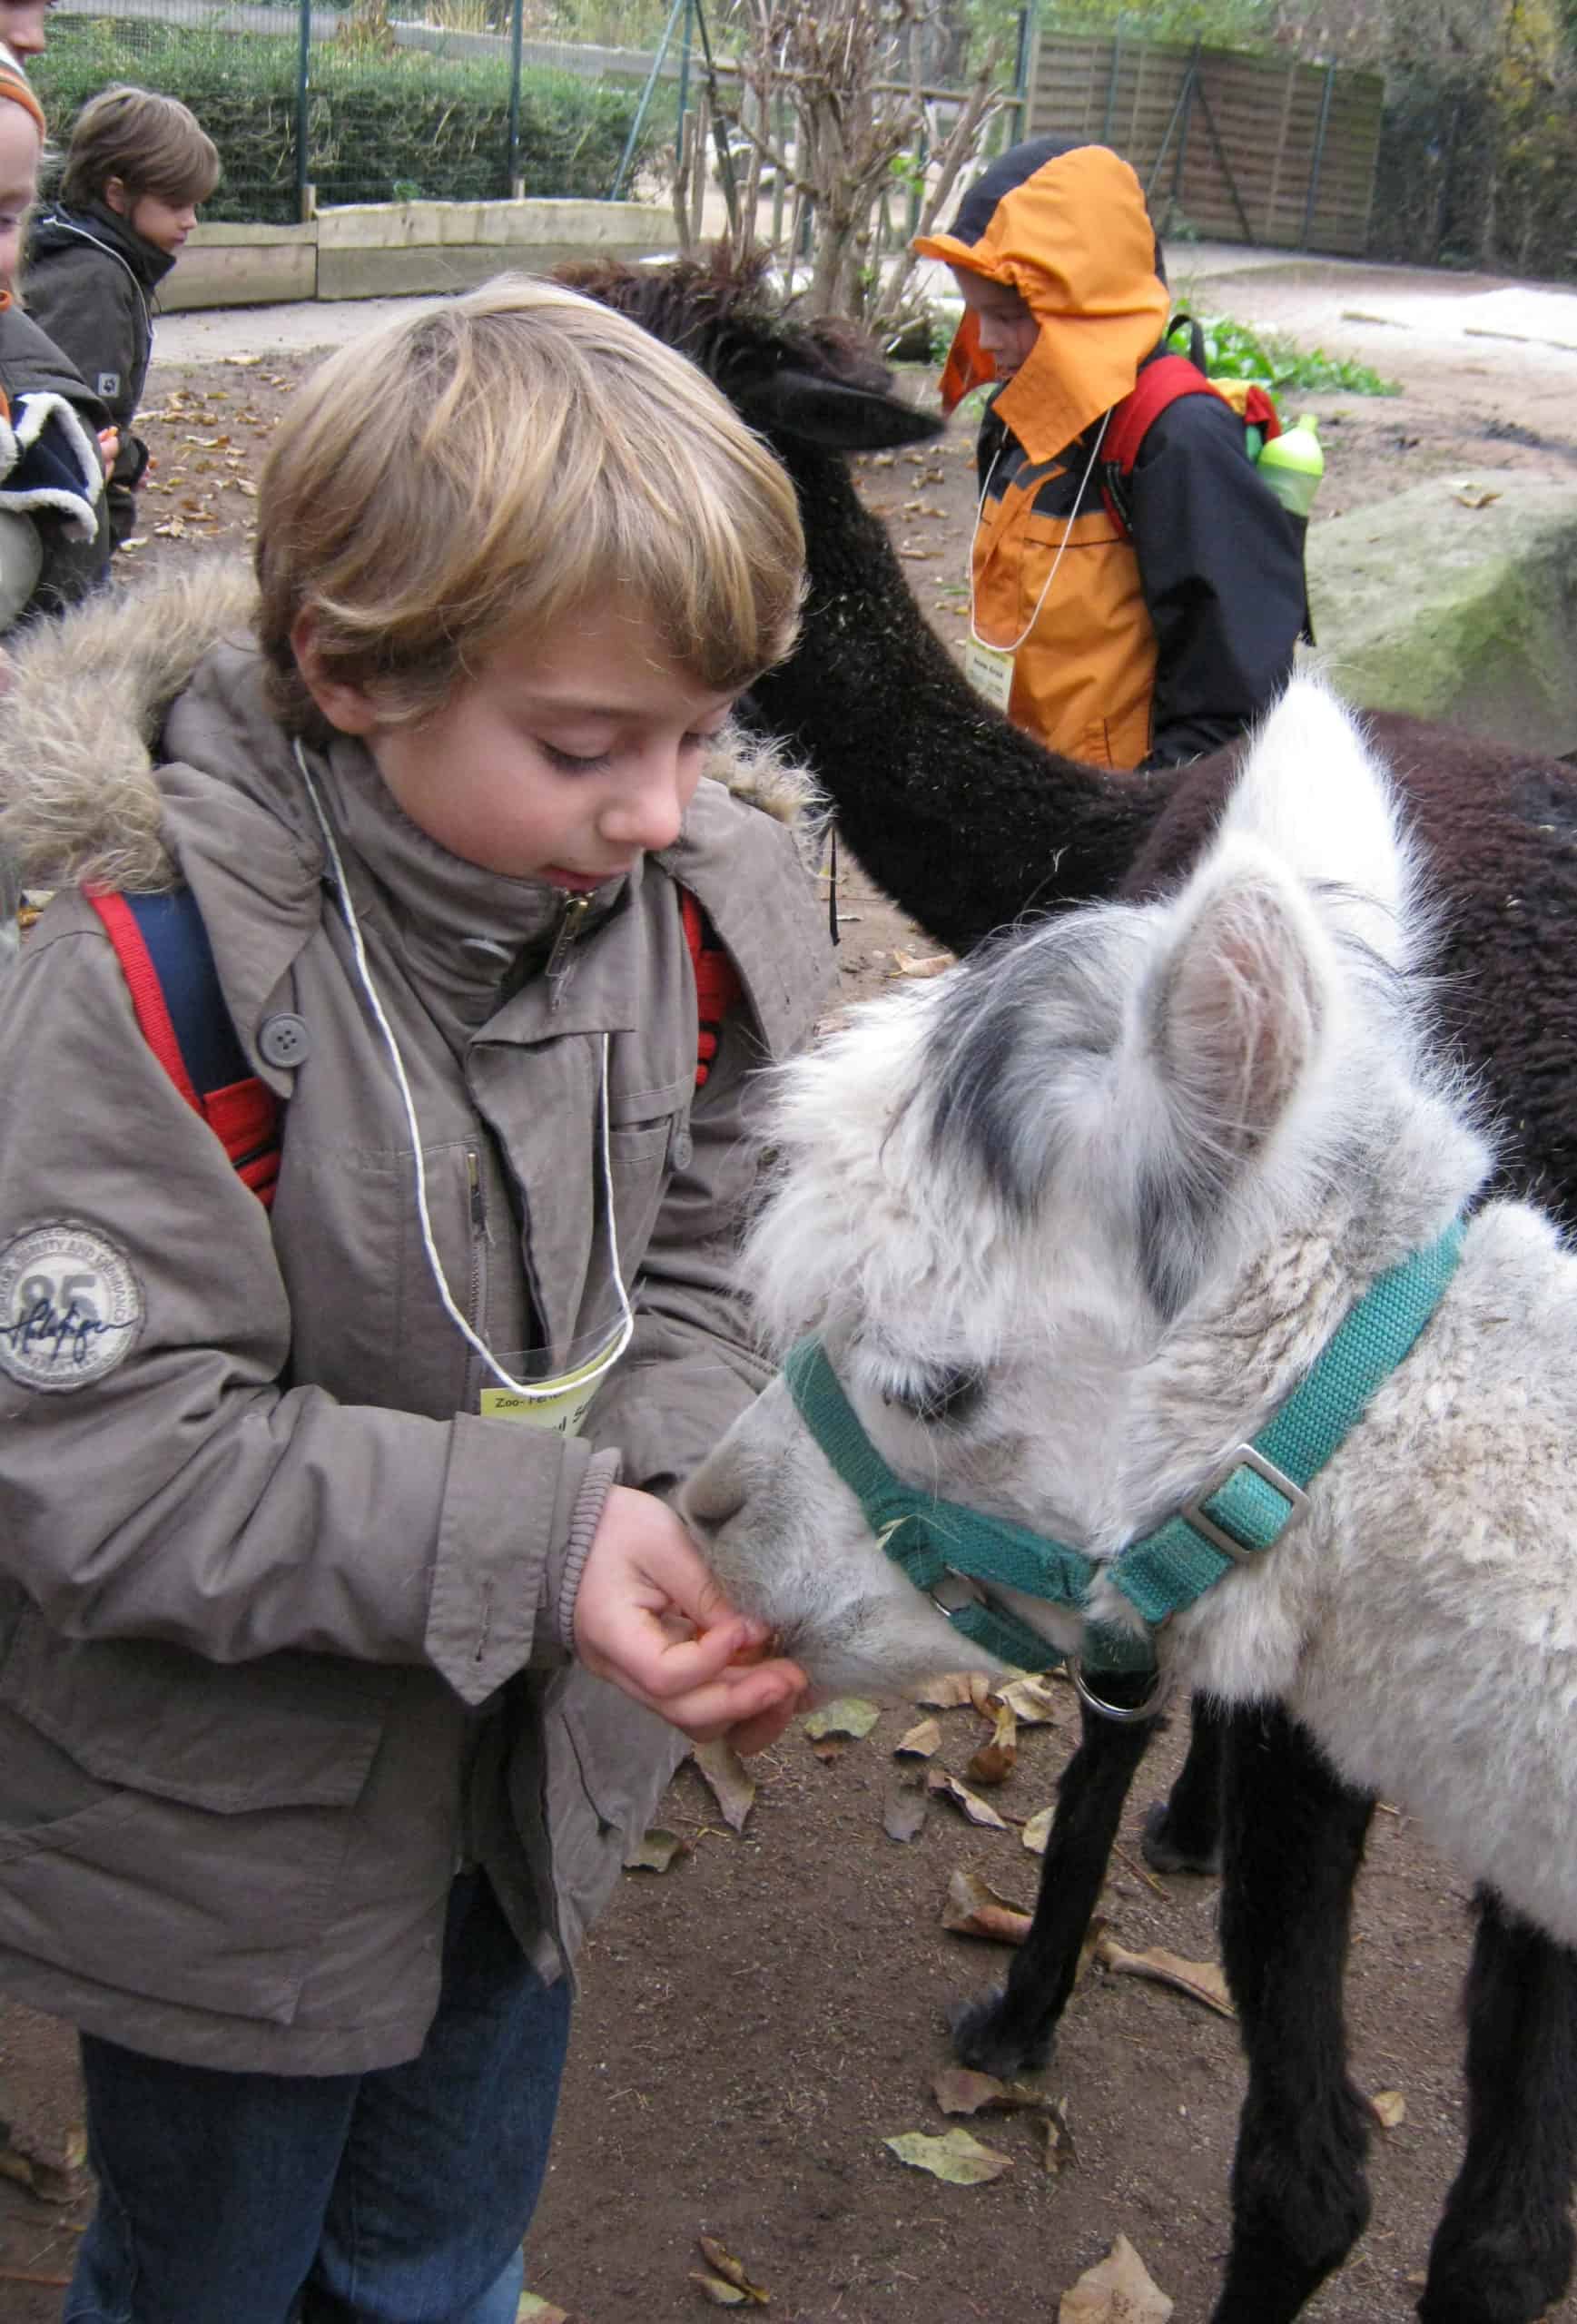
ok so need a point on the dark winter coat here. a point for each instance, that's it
(90, 282)
(47, 476)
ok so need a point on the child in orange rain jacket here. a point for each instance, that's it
(1131, 644)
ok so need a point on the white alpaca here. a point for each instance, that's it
(1071, 1223)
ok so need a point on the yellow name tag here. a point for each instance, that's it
(990, 673)
(560, 1404)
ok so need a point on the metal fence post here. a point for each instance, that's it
(516, 37)
(1319, 153)
(689, 8)
(303, 60)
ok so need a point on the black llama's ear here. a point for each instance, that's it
(836, 417)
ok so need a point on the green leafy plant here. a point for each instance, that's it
(1234, 351)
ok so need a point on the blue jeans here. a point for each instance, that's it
(398, 2197)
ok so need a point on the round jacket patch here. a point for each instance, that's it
(70, 1306)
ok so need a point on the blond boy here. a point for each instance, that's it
(339, 1521)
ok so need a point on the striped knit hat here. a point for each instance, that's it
(13, 85)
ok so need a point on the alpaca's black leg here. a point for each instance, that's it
(1503, 2253)
(1183, 1831)
(1012, 2027)
(1293, 1838)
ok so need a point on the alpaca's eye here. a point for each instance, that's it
(934, 1396)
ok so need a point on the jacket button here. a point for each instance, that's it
(681, 1147)
(283, 1040)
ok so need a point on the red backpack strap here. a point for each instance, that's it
(717, 985)
(1164, 381)
(163, 948)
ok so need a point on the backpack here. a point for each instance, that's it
(1166, 381)
(166, 958)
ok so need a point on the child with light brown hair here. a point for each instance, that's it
(325, 1531)
(137, 167)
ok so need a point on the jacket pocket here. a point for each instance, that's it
(638, 1162)
(291, 1731)
(173, 1831)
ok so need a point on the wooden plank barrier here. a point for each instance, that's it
(1232, 147)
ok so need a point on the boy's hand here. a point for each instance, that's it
(108, 447)
(650, 1617)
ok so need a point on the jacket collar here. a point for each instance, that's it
(96, 223)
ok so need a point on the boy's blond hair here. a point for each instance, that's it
(507, 460)
(154, 144)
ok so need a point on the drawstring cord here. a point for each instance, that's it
(625, 1330)
(1061, 545)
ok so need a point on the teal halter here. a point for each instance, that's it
(1241, 1510)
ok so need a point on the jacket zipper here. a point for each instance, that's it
(574, 910)
(478, 1261)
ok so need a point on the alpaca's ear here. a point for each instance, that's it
(1238, 1008)
(828, 413)
(1313, 793)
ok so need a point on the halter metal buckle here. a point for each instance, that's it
(1120, 1714)
(962, 1592)
(1245, 1457)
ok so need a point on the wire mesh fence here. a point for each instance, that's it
(319, 105)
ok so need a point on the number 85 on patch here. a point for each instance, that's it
(71, 1306)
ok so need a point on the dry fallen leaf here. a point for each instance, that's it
(848, 1715)
(903, 1812)
(52, 2174)
(921, 1741)
(957, 2156)
(946, 1691)
(656, 1851)
(994, 1761)
(958, 2091)
(1061, 2150)
(1034, 1702)
(534, 2310)
(730, 1781)
(1037, 1830)
(721, 2294)
(1389, 2108)
(1118, 2292)
(977, 1810)
(732, 2270)
(1200, 1980)
(933, 964)
(241, 361)
(1474, 495)
(974, 1909)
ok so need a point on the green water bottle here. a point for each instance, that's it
(1292, 465)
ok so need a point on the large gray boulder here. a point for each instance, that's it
(1456, 611)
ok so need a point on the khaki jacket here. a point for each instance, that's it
(280, 1611)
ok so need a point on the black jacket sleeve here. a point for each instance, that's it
(1221, 567)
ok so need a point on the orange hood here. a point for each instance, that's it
(1069, 231)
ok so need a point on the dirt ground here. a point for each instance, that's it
(756, 2021)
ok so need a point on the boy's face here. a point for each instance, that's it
(19, 152)
(567, 755)
(22, 25)
(1008, 328)
(165, 224)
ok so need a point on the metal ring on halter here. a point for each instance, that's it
(1121, 1714)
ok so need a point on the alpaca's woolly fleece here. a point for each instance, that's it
(1189, 1215)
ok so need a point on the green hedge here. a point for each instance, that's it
(403, 127)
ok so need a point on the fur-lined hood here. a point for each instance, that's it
(80, 798)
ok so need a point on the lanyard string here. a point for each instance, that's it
(1061, 545)
(624, 1329)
